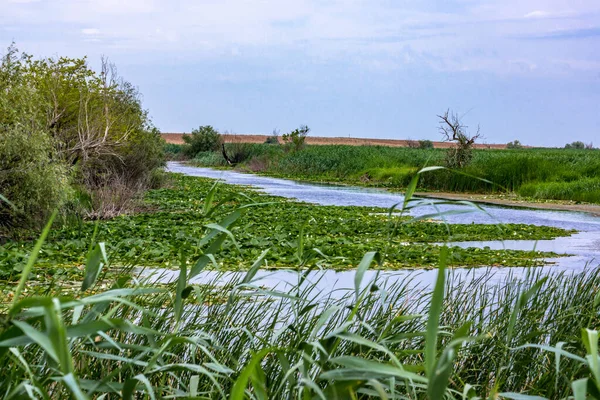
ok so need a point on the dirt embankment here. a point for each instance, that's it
(177, 138)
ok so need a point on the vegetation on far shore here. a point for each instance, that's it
(538, 174)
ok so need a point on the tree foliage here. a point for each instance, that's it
(205, 138)
(514, 145)
(31, 177)
(90, 124)
(579, 145)
(295, 139)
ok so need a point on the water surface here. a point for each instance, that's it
(584, 246)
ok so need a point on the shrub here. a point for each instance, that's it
(274, 138)
(514, 145)
(425, 144)
(295, 139)
(174, 151)
(237, 151)
(205, 138)
(575, 145)
(31, 178)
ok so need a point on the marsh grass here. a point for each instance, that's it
(462, 337)
(536, 173)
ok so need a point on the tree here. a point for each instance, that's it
(205, 138)
(575, 145)
(295, 139)
(451, 128)
(94, 122)
(514, 145)
(425, 144)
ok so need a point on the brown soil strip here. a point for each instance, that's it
(177, 138)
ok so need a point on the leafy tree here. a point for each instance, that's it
(425, 144)
(514, 145)
(93, 122)
(205, 138)
(575, 145)
(295, 139)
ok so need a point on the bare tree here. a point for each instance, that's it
(453, 130)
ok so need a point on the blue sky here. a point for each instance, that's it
(521, 69)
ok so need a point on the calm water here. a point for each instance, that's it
(583, 246)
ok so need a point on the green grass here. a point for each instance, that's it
(524, 171)
(177, 218)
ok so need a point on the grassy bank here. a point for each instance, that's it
(239, 340)
(561, 174)
(176, 218)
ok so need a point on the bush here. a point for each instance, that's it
(514, 145)
(205, 138)
(174, 151)
(425, 144)
(93, 125)
(31, 178)
(295, 139)
(575, 145)
(237, 151)
(274, 138)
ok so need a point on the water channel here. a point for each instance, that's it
(583, 247)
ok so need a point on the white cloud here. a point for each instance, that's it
(536, 14)
(467, 35)
(90, 31)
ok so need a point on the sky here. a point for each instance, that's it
(526, 70)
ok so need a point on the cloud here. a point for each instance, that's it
(581, 33)
(90, 31)
(461, 35)
(537, 14)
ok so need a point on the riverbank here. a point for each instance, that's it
(532, 174)
(516, 201)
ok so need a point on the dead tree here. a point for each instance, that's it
(451, 128)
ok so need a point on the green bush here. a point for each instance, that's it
(31, 178)
(514, 145)
(94, 122)
(295, 139)
(578, 145)
(425, 144)
(205, 138)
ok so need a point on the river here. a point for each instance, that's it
(584, 246)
